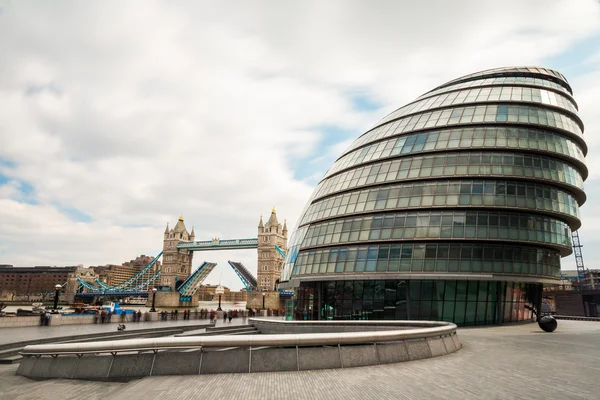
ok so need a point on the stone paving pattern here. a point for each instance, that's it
(508, 362)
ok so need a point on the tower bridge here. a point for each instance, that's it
(175, 277)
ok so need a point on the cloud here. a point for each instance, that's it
(122, 115)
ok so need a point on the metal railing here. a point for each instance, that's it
(421, 329)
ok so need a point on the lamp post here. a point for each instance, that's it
(263, 295)
(154, 290)
(57, 291)
(219, 290)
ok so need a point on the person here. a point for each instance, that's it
(172, 315)
(47, 318)
(176, 315)
(224, 316)
(102, 316)
(230, 315)
(214, 317)
(139, 315)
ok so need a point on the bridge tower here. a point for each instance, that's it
(177, 263)
(269, 260)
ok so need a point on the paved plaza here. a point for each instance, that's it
(508, 362)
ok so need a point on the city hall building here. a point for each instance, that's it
(455, 207)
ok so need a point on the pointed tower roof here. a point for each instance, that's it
(272, 219)
(285, 225)
(192, 233)
(180, 226)
(167, 228)
(260, 224)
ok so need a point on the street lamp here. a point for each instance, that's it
(220, 290)
(57, 291)
(154, 290)
(264, 294)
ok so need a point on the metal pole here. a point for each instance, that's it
(153, 301)
(219, 308)
(56, 300)
(263, 307)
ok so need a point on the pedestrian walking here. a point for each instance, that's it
(224, 316)
(230, 315)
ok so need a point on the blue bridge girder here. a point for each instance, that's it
(113, 294)
(191, 285)
(245, 276)
(218, 244)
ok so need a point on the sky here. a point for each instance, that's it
(117, 117)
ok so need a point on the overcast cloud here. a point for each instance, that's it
(115, 117)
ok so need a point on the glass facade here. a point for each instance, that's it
(461, 139)
(455, 207)
(466, 193)
(466, 303)
(502, 114)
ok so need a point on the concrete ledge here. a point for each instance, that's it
(231, 361)
(274, 359)
(436, 346)
(93, 367)
(26, 365)
(318, 358)
(392, 352)
(131, 365)
(373, 343)
(418, 349)
(167, 363)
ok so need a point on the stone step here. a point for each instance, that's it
(11, 359)
(11, 355)
(57, 339)
(225, 332)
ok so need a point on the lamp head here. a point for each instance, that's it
(154, 290)
(57, 287)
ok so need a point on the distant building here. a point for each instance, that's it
(113, 275)
(36, 281)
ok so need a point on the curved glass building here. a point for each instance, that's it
(455, 207)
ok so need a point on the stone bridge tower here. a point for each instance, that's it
(177, 263)
(269, 260)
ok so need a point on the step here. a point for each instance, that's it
(6, 355)
(11, 359)
(229, 328)
(182, 328)
(223, 332)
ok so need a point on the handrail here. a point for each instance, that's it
(425, 329)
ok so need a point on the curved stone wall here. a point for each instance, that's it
(284, 346)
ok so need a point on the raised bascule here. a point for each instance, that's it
(176, 279)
